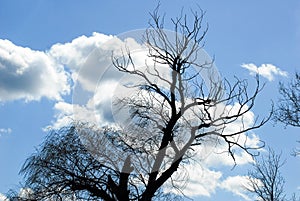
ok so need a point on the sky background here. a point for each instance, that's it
(242, 36)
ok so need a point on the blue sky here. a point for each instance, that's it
(241, 33)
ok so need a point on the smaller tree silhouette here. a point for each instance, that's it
(288, 111)
(266, 181)
(295, 198)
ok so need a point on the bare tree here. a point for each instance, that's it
(183, 115)
(288, 111)
(63, 169)
(171, 113)
(266, 181)
(295, 198)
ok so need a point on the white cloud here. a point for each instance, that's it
(90, 58)
(66, 113)
(194, 180)
(96, 109)
(220, 157)
(215, 151)
(266, 70)
(29, 74)
(75, 53)
(63, 115)
(236, 185)
(5, 131)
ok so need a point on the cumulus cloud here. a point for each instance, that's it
(214, 152)
(74, 53)
(202, 180)
(203, 184)
(194, 180)
(96, 80)
(237, 185)
(30, 75)
(95, 109)
(197, 180)
(266, 70)
(66, 113)
(90, 58)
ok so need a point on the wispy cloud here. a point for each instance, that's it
(5, 131)
(268, 71)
